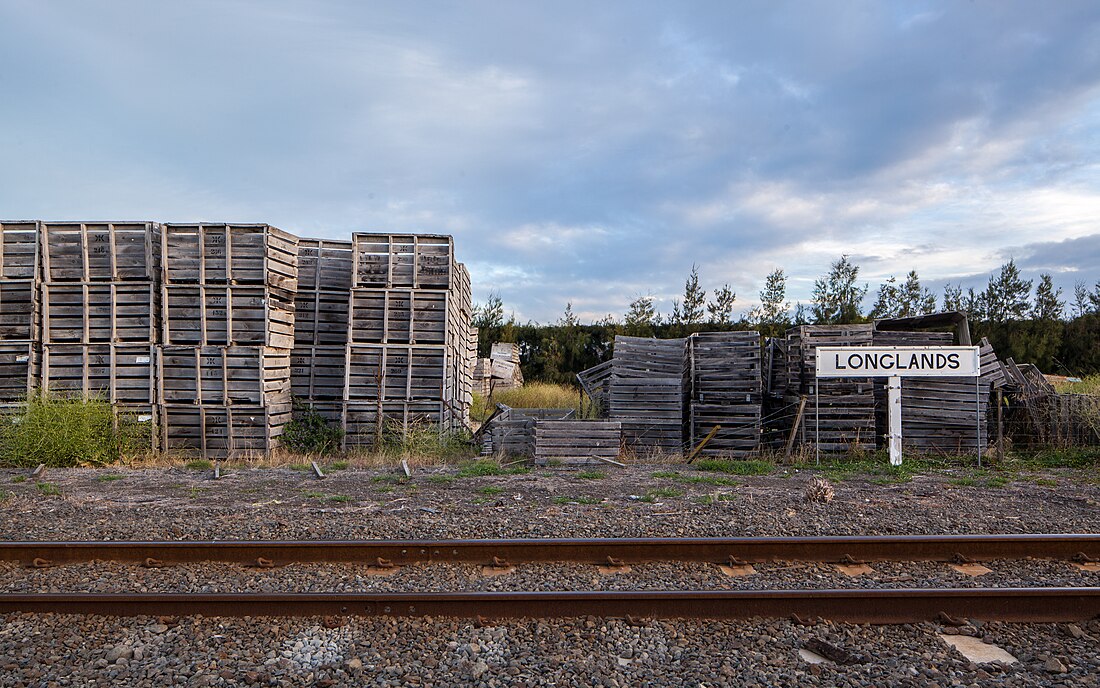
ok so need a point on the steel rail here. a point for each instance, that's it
(1084, 547)
(1031, 605)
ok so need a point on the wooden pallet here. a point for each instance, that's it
(396, 372)
(218, 315)
(19, 365)
(416, 261)
(19, 250)
(100, 251)
(99, 312)
(255, 254)
(318, 372)
(117, 373)
(221, 432)
(225, 375)
(510, 432)
(575, 442)
(320, 317)
(725, 392)
(648, 393)
(325, 265)
(19, 310)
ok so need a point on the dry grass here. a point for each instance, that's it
(1087, 385)
(532, 395)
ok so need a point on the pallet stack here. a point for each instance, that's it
(648, 393)
(500, 371)
(19, 328)
(99, 303)
(228, 330)
(409, 359)
(575, 442)
(725, 392)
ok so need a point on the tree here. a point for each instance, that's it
(837, 298)
(887, 301)
(568, 319)
(772, 315)
(490, 314)
(974, 305)
(1047, 304)
(694, 299)
(1094, 298)
(913, 299)
(800, 316)
(720, 310)
(1007, 295)
(641, 317)
(1080, 299)
(953, 298)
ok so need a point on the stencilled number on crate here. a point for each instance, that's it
(216, 300)
(100, 237)
(211, 361)
(101, 250)
(218, 313)
(215, 430)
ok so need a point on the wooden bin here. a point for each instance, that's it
(726, 392)
(320, 317)
(256, 254)
(325, 265)
(118, 373)
(19, 363)
(318, 372)
(19, 310)
(19, 250)
(360, 421)
(102, 251)
(99, 312)
(397, 372)
(219, 315)
(225, 375)
(216, 431)
(575, 442)
(414, 261)
(398, 316)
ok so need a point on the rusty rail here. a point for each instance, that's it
(1031, 605)
(1083, 547)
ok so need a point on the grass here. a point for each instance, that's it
(531, 395)
(19, 479)
(695, 479)
(659, 493)
(1088, 385)
(576, 500)
(48, 489)
(339, 498)
(199, 465)
(314, 495)
(386, 489)
(388, 479)
(338, 466)
(754, 467)
(490, 490)
(441, 479)
(485, 467)
(591, 475)
(109, 477)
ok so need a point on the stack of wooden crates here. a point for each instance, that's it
(19, 334)
(228, 329)
(725, 392)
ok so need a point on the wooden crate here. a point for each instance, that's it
(575, 442)
(398, 316)
(726, 392)
(101, 251)
(221, 432)
(99, 312)
(255, 254)
(510, 432)
(416, 261)
(320, 317)
(648, 393)
(325, 265)
(19, 365)
(19, 250)
(144, 420)
(318, 372)
(395, 372)
(225, 375)
(118, 373)
(19, 310)
(360, 421)
(218, 315)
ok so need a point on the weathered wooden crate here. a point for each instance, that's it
(220, 432)
(320, 317)
(399, 316)
(217, 315)
(19, 250)
(19, 310)
(596, 383)
(325, 265)
(510, 432)
(417, 261)
(19, 364)
(225, 375)
(118, 373)
(100, 251)
(726, 392)
(397, 372)
(575, 442)
(648, 393)
(367, 423)
(318, 372)
(99, 312)
(255, 254)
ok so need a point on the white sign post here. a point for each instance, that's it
(896, 362)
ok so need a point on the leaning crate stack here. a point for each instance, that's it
(648, 392)
(725, 392)
(19, 311)
(409, 360)
(227, 336)
(99, 309)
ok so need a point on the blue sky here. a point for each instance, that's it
(583, 152)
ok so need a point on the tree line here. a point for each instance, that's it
(1027, 320)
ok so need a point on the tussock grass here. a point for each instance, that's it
(1087, 385)
(753, 467)
(533, 395)
(486, 467)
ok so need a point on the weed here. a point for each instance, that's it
(441, 479)
(998, 481)
(199, 465)
(5, 495)
(48, 489)
(339, 498)
(19, 479)
(482, 500)
(533, 395)
(485, 467)
(662, 493)
(592, 475)
(576, 500)
(301, 467)
(1045, 482)
(315, 495)
(309, 432)
(665, 474)
(338, 466)
(108, 477)
(963, 482)
(388, 479)
(736, 467)
(490, 490)
(386, 489)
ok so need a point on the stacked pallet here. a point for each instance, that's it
(725, 392)
(511, 431)
(575, 442)
(647, 393)
(228, 330)
(409, 357)
(19, 311)
(319, 358)
(500, 371)
(99, 314)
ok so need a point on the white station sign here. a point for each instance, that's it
(898, 361)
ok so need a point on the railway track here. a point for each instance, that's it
(855, 605)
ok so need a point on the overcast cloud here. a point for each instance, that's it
(583, 152)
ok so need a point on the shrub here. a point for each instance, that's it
(309, 433)
(60, 431)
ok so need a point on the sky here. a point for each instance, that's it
(579, 152)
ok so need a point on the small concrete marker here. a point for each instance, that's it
(971, 569)
(405, 467)
(810, 656)
(977, 651)
(37, 472)
(317, 470)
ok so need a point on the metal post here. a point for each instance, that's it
(978, 415)
(1000, 426)
(817, 423)
(893, 412)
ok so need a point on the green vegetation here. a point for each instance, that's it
(60, 431)
(532, 395)
(309, 433)
(48, 489)
(591, 475)
(441, 479)
(339, 498)
(337, 466)
(694, 479)
(576, 500)
(659, 493)
(313, 494)
(486, 467)
(19, 479)
(109, 477)
(713, 498)
(490, 490)
(1088, 385)
(754, 467)
(199, 465)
